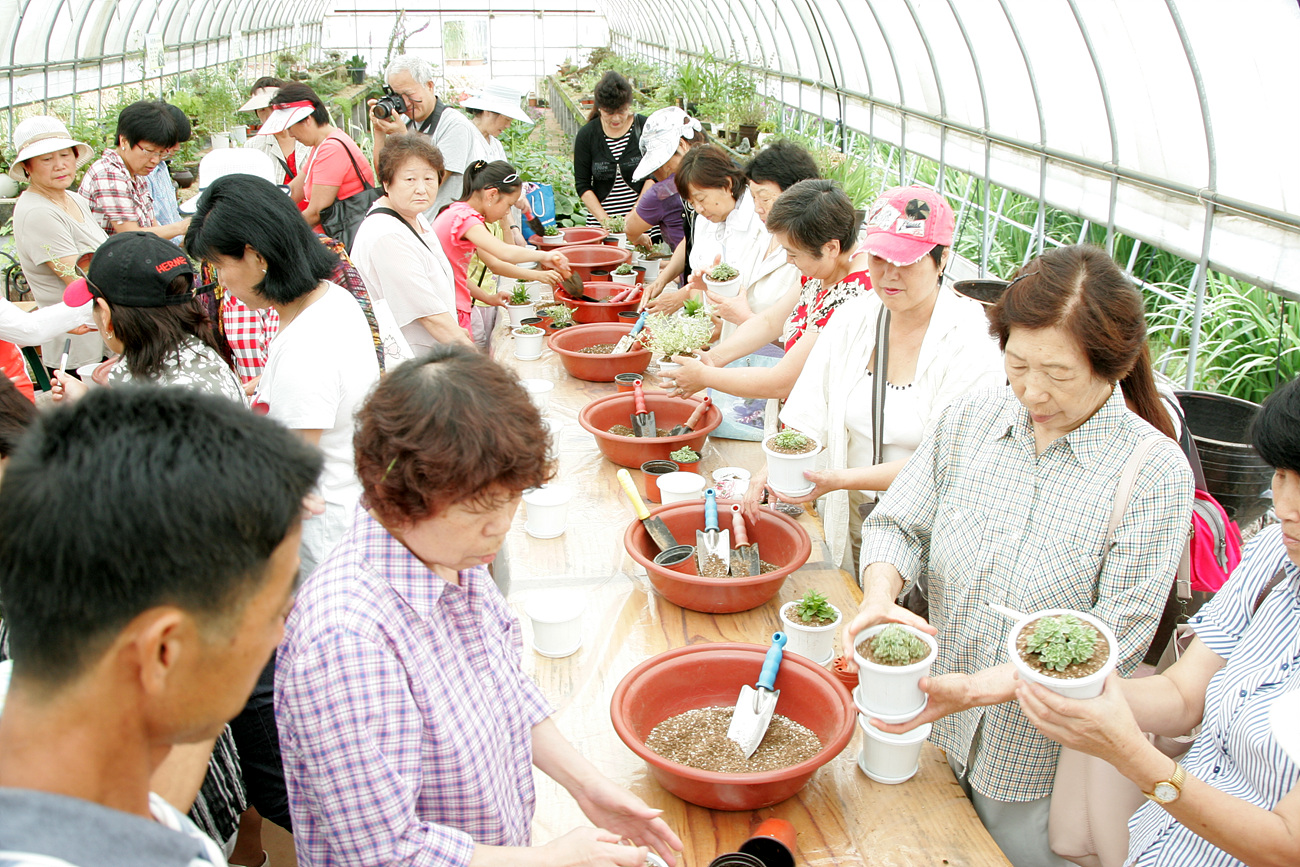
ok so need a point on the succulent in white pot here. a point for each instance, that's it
(789, 454)
(528, 342)
(722, 279)
(1069, 652)
(892, 658)
(809, 624)
(520, 304)
(624, 275)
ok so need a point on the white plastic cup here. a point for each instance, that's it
(539, 392)
(548, 510)
(1081, 687)
(888, 758)
(676, 487)
(556, 619)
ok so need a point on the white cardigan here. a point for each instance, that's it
(957, 355)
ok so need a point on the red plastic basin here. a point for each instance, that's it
(709, 675)
(570, 235)
(589, 312)
(781, 542)
(631, 452)
(585, 257)
(567, 342)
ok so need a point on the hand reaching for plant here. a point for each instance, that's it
(669, 301)
(558, 262)
(590, 847)
(550, 278)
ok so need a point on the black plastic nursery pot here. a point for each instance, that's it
(1234, 473)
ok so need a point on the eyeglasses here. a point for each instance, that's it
(161, 154)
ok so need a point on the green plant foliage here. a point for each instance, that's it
(356, 61)
(814, 608)
(551, 231)
(529, 150)
(897, 645)
(562, 316)
(519, 293)
(625, 268)
(528, 329)
(790, 439)
(667, 335)
(684, 455)
(723, 271)
(694, 308)
(1062, 641)
(614, 225)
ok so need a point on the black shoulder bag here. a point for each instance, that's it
(341, 219)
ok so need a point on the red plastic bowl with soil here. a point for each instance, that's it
(781, 542)
(584, 258)
(591, 312)
(603, 413)
(571, 235)
(568, 343)
(704, 675)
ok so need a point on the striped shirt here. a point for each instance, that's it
(978, 516)
(404, 716)
(1235, 751)
(622, 198)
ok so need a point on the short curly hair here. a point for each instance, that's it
(399, 148)
(450, 427)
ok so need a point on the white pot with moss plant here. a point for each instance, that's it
(1069, 652)
(669, 335)
(810, 623)
(519, 304)
(617, 228)
(624, 275)
(528, 342)
(892, 658)
(789, 454)
(722, 279)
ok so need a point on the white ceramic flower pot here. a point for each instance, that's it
(1081, 687)
(624, 279)
(518, 313)
(557, 623)
(813, 642)
(547, 510)
(539, 392)
(651, 267)
(888, 758)
(785, 472)
(538, 291)
(675, 487)
(528, 347)
(621, 237)
(891, 691)
(726, 288)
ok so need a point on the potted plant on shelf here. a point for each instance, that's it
(748, 116)
(528, 342)
(686, 458)
(1069, 652)
(723, 279)
(789, 454)
(809, 624)
(519, 304)
(624, 274)
(356, 65)
(892, 658)
(666, 336)
(616, 227)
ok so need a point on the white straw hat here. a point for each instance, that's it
(232, 161)
(501, 98)
(285, 116)
(43, 135)
(659, 138)
(260, 98)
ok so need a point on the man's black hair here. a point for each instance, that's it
(783, 163)
(136, 497)
(148, 121)
(1275, 432)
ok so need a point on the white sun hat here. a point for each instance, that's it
(232, 161)
(260, 98)
(44, 135)
(285, 116)
(659, 138)
(501, 98)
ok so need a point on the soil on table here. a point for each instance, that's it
(599, 349)
(698, 739)
(866, 652)
(1092, 665)
(622, 430)
(807, 447)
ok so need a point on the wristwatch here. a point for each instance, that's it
(1167, 791)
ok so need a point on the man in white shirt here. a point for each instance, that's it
(446, 127)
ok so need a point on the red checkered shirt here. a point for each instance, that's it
(248, 332)
(115, 194)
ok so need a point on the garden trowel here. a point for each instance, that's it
(753, 711)
(747, 552)
(625, 342)
(696, 415)
(712, 542)
(643, 423)
(655, 526)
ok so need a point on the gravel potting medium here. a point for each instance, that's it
(599, 349)
(622, 430)
(698, 739)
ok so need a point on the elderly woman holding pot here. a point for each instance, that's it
(397, 252)
(1008, 500)
(403, 625)
(1233, 799)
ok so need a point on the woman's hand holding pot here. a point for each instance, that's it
(690, 376)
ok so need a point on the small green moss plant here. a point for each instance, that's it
(625, 268)
(685, 455)
(723, 271)
(551, 231)
(790, 439)
(615, 225)
(519, 294)
(1062, 641)
(814, 609)
(528, 329)
(895, 645)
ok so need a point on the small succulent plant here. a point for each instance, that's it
(722, 271)
(551, 231)
(615, 225)
(895, 645)
(685, 455)
(694, 308)
(1062, 641)
(528, 329)
(519, 294)
(791, 439)
(625, 268)
(814, 608)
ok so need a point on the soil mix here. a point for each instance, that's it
(599, 349)
(1092, 665)
(698, 739)
(622, 430)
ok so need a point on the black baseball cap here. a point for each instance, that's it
(134, 269)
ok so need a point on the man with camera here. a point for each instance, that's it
(409, 104)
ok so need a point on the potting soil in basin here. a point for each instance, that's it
(622, 430)
(698, 739)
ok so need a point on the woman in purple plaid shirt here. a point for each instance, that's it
(408, 727)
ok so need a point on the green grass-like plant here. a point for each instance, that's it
(685, 455)
(814, 608)
(694, 308)
(519, 293)
(1062, 641)
(895, 645)
(791, 439)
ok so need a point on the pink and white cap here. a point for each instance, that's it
(905, 223)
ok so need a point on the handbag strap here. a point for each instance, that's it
(880, 365)
(390, 212)
(1268, 588)
(366, 185)
(1124, 492)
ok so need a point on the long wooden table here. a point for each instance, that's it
(841, 816)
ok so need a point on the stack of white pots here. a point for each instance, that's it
(891, 694)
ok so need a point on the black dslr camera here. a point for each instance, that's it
(389, 105)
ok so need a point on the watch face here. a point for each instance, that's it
(1165, 792)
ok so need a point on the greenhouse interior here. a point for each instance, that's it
(595, 542)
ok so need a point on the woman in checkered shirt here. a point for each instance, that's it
(1008, 500)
